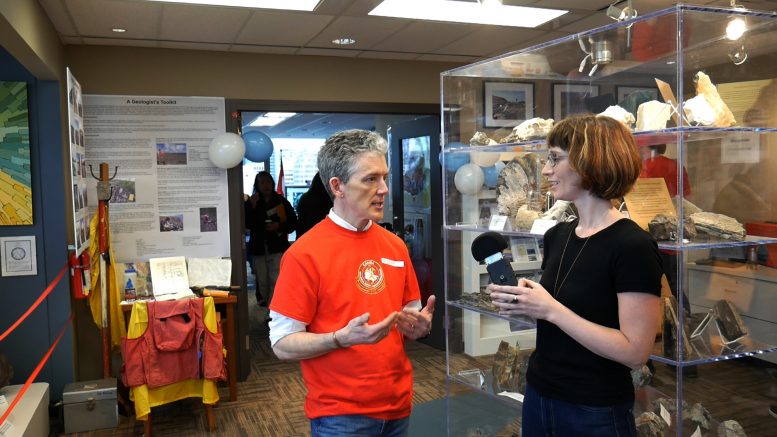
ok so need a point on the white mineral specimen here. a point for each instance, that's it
(618, 113)
(698, 112)
(653, 115)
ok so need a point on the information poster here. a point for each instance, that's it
(168, 199)
(78, 169)
(648, 198)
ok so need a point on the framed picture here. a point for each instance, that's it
(623, 91)
(569, 98)
(294, 192)
(508, 103)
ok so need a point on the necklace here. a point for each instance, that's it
(556, 285)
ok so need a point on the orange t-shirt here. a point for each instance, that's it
(330, 276)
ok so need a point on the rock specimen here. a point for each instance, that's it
(641, 377)
(649, 424)
(731, 326)
(653, 115)
(481, 139)
(718, 226)
(705, 87)
(698, 112)
(620, 114)
(561, 211)
(731, 428)
(672, 332)
(533, 128)
(664, 228)
(509, 369)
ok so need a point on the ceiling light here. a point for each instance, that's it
(271, 118)
(289, 5)
(736, 28)
(344, 41)
(118, 30)
(466, 12)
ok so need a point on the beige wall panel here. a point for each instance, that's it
(145, 71)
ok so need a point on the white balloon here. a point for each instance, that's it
(227, 150)
(469, 179)
(484, 159)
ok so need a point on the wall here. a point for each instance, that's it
(27, 345)
(148, 71)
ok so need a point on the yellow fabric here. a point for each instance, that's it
(145, 397)
(115, 315)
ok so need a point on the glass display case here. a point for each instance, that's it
(698, 88)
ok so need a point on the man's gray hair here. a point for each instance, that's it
(337, 157)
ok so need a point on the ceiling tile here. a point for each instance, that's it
(72, 40)
(367, 31)
(488, 39)
(448, 58)
(202, 23)
(424, 37)
(282, 28)
(95, 18)
(590, 5)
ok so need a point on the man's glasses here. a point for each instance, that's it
(554, 159)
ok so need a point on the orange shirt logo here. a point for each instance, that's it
(370, 278)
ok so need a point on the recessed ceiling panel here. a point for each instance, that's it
(424, 37)
(98, 17)
(488, 39)
(202, 23)
(55, 9)
(282, 28)
(367, 31)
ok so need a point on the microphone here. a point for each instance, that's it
(488, 247)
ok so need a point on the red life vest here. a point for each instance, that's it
(175, 346)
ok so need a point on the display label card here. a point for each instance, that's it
(697, 433)
(668, 96)
(512, 395)
(170, 278)
(3, 403)
(665, 415)
(498, 223)
(648, 198)
(540, 226)
(7, 428)
(18, 256)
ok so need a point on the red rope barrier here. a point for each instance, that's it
(40, 299)
(36, 371)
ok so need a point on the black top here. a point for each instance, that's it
(313, 206)
(278, 210)
(620, 258)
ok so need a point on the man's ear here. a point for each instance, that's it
(337, 186)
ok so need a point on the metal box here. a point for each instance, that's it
(90, 405)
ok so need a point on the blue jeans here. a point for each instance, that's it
(550, 417)
(355, 425)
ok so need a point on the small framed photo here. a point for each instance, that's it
(570, 98)
(508, 103)
(623, 91)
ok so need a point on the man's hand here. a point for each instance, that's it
(357, 331)
(415, 324)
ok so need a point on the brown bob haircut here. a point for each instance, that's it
(602, 151)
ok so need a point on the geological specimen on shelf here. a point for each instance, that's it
(533, 128)
(641, 377)
(561, 211)
(481, 139)
(650, 424)
(664, 228)
(671, 331)
(731, 428)
(693, 415)
(509, 369)
(705, 87)
(718, 226)
(653, 115)
(731, 326)
(698, 112)
(620, 114)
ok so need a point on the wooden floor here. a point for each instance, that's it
(270, 401)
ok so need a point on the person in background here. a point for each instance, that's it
(270, 219)
(597, 302)
(313, 206)
(347, 300)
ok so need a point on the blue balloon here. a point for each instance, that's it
(490, 174)
(454, 161)
(259, 146)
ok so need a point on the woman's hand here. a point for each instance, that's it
(528, 298)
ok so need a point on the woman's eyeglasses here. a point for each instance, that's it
(554, 159)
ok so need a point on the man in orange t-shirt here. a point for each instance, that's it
(347, 298)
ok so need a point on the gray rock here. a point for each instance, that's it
(664, 228)
(641, 377)
(650, 424)
(718, 226)
(731, 428)
(509, 369)
(698, 415)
